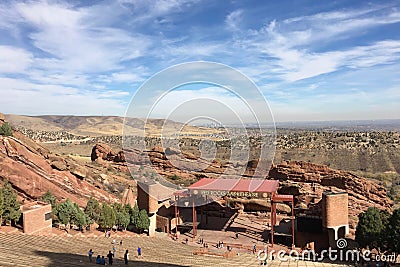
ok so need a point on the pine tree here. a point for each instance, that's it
(6, 130)
(107, 217)
(135, 215)
(123, 219)
(393, 231)
(93, 209)
(48, 197)
(11, 207)
(78, 218)
(65, 211)
(1, 207)
(371, 227)
(143, 220)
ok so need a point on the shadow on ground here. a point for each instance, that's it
(68, 259)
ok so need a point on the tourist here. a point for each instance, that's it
(139, 251)
(90, 253)
(103, 260)
(98, 259)
(110, 257)
(254, 248)
(114, 250)
(237, 235)
(120, 242)
(186, 240)
(126, 257)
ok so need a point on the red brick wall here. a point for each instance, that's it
(335, 209)
(34, 220)
(146, 202)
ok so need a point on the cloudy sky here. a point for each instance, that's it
(312, 60)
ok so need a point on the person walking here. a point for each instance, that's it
(110, 257)
(90, 254)
(126, 257)
(139, 251)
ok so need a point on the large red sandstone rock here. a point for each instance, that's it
(32, 175)
(103, 152)
(307, 181)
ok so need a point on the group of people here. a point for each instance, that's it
(220, 244)
(201, 241)
(102, 261)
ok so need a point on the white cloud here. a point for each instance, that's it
(74, 43)
(290, 44)
(21, 97)
(14, 60)
(234, 19)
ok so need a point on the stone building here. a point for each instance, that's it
(37, 218)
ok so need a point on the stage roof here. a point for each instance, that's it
(236, 185)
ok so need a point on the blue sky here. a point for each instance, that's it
(312, 60)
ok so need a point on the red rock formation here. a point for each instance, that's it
(31, 174)
(103, 152)
(307, 181)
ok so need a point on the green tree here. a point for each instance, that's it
(6, 130)
(11, 207)
(123, 219)
(65, 211)
(1, 207)
(93, 209)
(79, 218)
(107, 217)
(393, 231)
(135, 215)
(117, 207)
(128, 208)
(143, 220)
(371, 228)
(48, 197)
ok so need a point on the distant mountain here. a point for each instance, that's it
(104, 125)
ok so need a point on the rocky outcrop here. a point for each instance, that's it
(33, 170)
(307, 173)
(307, 181)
